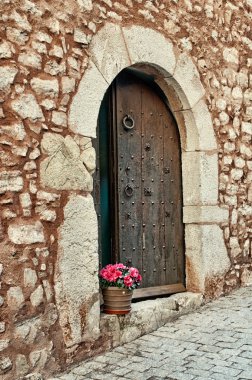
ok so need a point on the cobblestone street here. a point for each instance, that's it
(214, 343)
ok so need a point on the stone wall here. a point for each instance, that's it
(46, 167)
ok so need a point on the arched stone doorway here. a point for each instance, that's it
(138, 185)
(113, 49)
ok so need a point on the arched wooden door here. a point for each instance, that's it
(138, 187)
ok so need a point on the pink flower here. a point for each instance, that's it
(120, 275)
(128, 281)
(114, 274)
(104, 273)
(133, 272)
(110, 273)
(121, 266)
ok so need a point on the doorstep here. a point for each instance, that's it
(148, 316)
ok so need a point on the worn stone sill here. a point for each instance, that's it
(148, 316)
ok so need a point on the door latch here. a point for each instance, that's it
(128, 122)
(128, 190)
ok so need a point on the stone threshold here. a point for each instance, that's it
(148, 316)
(145, 317)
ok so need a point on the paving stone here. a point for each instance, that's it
(247, 354)
(69, 376)
(211, 344)
(245, 375)
(135, 375)
(198, 372)
(183, 376)
(121, 371)
(202, 363)
(218, 376)
(81, 371)
(239, 360)
(208, 348)
(226, 370)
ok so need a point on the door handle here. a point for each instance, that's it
(128, 190)
(128, 122)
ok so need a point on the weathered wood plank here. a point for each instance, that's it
(158, 291)
(152, 164)
(128, 102)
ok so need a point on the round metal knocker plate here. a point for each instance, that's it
(128, 190)
(128, 123)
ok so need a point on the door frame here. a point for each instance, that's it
(108, 120)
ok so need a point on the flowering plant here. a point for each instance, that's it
(120, 276)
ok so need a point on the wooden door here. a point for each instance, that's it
(144, 171)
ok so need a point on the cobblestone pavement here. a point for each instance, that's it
(214, 343)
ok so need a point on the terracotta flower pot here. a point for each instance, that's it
(116, 300)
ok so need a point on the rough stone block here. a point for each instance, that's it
(2, 327)
(86, 5)
(108, 51)
(205, 214)
(206, 255)
(5, 364)
(200, 178)
(77, 269)
(7, 76)
(59, 118)
(21, 233)
(4, 343)
(48, 215)
(26, 106)
(15, 131)
(68, 85)
(203, 124)
(6, 50)
(28, 330)
(22, 367)
(231, 55)
(188, 79)
(89, 159)
(30, 59)
(148, 46)
(56, 51)
(51, 143)
(86, 103)
(15, 297)
(43, 37)
(47, 197)
(37, 296)
(234, 246)
(63, 169)
(34, 376)
(25, 200)
(246, 277)
(246, 127)
(30, 277)
(45, 87)
(16, 35)
(81, 37)
(110, 325)
(147, 316)
(10, 181)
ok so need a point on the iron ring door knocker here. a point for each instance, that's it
(128, 123)
(128, 190)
